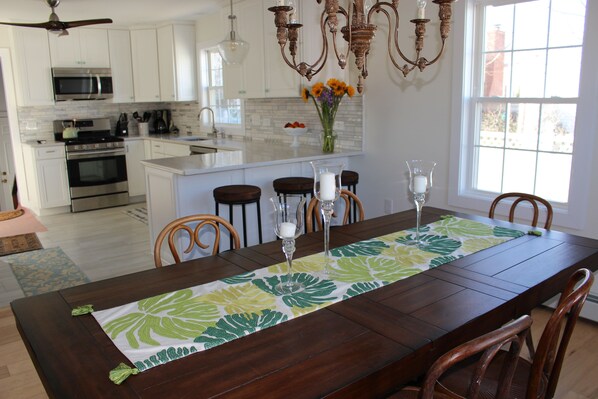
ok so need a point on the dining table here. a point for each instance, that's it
(367, 346)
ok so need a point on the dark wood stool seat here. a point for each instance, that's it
(293, 185)
(239, 194)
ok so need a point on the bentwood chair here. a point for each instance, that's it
(484, 349)
(191, 226)
(522, 197)
(534, 200)
(536, 379)
(313, 210)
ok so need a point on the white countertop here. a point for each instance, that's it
(240, 154)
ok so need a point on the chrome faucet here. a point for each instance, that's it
(214, 130)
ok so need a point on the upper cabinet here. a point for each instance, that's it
(263, 73)
(33, 71)
(176, 60)
(83, 48)
(146, 74)
(122, 66)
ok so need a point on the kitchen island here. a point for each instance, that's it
(181, 186)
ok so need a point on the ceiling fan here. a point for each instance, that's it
(54, 25)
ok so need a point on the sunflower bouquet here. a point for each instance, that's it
(327, 97)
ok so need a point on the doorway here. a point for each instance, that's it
(7, 165)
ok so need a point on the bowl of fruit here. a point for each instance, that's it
(295, 129)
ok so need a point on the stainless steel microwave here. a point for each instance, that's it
(82, 83)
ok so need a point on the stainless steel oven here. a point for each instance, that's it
(96, 166)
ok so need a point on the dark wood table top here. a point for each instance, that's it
(363, 347)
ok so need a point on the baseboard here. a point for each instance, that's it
(136, 199)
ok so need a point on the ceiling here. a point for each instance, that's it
(122, 12)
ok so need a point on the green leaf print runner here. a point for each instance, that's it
(169, 326)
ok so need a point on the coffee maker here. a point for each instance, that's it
(122, 125)
(161, 121)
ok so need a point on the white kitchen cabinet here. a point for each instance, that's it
(122, 66)
(33, 70)
(135, 153)
(162, 149)
(263, 73)
(176, 60)
(47, 178)
(83, 48)
(146, 75)
(246, 80)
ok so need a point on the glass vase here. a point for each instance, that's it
(327, 189)
(328, 138)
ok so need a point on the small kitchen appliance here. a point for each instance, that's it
(122, 125)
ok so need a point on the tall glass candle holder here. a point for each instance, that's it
(288, 225)
(420, 183)
(327, 189)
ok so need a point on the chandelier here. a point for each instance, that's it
(358, 33)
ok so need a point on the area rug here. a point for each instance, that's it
(45, 270)
(27, 223)
(138, 214)
(7, 215)
(18, 244)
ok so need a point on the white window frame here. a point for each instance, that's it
(228, 128)
(570, 215)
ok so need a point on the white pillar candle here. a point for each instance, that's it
(327, 186)
(419, 184)
(287, 230)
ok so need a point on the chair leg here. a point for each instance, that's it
(230, 217)
(529, 341)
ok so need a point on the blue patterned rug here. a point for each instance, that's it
(45, 270)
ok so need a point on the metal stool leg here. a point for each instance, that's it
(244, 225)
(259, 221)
(230, 218)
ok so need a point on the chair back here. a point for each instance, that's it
(191, 226)
(522, 197)
(313, 210)
(485, 348)
(548, 360)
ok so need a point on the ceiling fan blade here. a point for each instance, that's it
(85, 22)
(44, 25)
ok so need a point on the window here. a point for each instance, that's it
(520, 100)
(228, 112)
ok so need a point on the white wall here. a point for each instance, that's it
(410, 119)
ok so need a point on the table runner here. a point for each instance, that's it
(172, 325)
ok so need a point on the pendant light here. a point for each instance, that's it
(233, 49)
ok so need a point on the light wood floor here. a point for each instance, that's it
(104, 243)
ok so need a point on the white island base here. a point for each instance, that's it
(183, 186)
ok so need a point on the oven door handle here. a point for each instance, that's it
(94, 154)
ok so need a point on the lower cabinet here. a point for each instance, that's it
(47, 177)
(161, 149)
(135, 153)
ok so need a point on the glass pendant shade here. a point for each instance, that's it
(233, 49)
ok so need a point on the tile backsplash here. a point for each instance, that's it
(264, 118)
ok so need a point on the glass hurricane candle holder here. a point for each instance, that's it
(420, 183)
(327, 189)
(288, 225)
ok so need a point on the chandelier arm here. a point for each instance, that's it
(315, 68)
(342, 58)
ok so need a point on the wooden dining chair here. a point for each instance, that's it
(192, 225)
(480, 352)
(313, 210)
(537, 379)
(522, 197)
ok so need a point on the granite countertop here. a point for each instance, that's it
(241, 154)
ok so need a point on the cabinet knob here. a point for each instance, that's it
(4, 173)
(4, 181)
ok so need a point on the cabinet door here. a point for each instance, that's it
(176, 150)
(280, 79)
(32, 67)
(53, 183)
(166, 63)
(247, 80)
(94, 48)
(122, 66)
(135, 171)
(146, 77)
(65, 50)
(185, 62)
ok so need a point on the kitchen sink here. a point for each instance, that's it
(188, 138)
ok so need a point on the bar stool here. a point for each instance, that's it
(240, 194)
(294, 185)
(349, 179)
